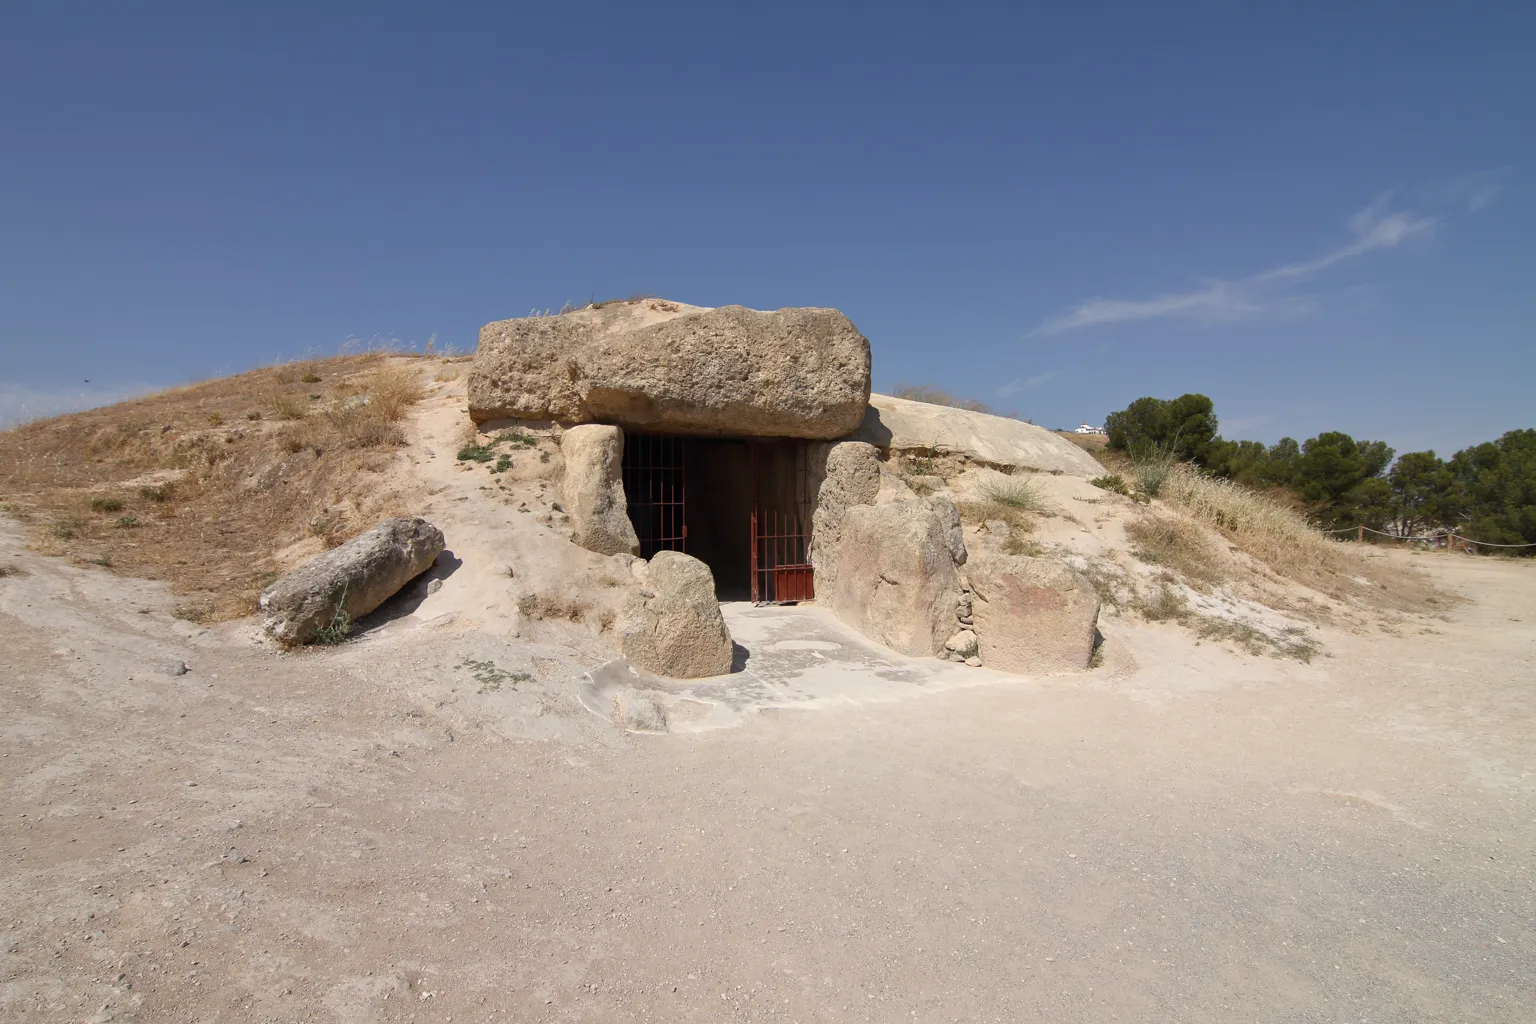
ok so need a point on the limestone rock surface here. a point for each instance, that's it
(594, 489)
(896, 579)
(848, 474)
(1032, 614)
(896, 424)
(671, 625)
(356, 578)
(665, 367)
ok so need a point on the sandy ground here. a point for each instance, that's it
(371, 833)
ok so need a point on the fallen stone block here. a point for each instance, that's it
(353, 579)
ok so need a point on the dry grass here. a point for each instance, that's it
(1181, 546)
(1280, 538)
(243, 489)
(1163, 605)
(1016, 501)
(1016, 493)
(545, 607)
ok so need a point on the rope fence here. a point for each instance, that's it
(1450, 537)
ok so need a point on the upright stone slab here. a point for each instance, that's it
(847, 474)
(896, 578)
(1032, 614)
(663, 367)
(594, 490)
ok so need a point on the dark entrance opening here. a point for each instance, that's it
(742, 507)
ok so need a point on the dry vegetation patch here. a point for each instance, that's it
(1282, 539)
(202, 485)
(1180, 545)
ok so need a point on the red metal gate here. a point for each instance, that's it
(781, 548)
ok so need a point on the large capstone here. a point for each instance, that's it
(671, 625)
(1032, 614)
(664, 367)
(350, 581)
(896, 577)
(594, 489)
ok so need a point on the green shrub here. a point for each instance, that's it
(473, 452)
(107, 505)
(1111, 482)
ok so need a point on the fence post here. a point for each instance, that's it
(1360, 533)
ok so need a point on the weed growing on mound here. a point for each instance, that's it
(339, 628)
(1292, 642)
(491, 678)
(107, 505)
(473, 452)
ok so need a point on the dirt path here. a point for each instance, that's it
(369, 834)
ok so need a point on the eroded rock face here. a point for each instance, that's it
(356, 578)
(1032, 614)
(849, 475)
(671, 624)
(594, 490)
(667, 368)
(896, 577)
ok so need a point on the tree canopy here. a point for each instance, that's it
(1486, 492)
(1182, 427)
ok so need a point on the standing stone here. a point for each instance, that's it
(594, 490)
(355, 578)
(664, 367)
(848, 474)
(1032, 614)
(896, 578)
(671, 625)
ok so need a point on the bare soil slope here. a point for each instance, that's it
(385, 832)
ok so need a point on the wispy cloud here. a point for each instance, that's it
(1474, 192)
(20, 403)
(1018, 384)
(1265, 293)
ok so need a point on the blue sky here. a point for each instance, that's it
(1321, 215)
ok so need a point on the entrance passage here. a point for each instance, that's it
(742, 507)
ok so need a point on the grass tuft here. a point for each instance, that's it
(1162, 606)
(1015, 493)
(106, 504)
